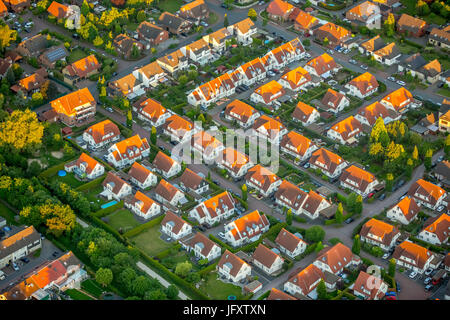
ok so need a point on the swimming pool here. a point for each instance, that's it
(109, 204)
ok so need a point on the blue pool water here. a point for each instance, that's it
(62, 173)
(109, 204)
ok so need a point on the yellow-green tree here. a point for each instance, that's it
(6, 36)
(394, 151)
(21, 130)
(252, 14)
(415, 154)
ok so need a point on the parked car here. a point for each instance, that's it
(397, 284)
(391, 79)
(349, 220)
(385, 256)
(224, 5)
(391, 298)
(440, 208)
(25, 259)
(15, 266)
(346, 51)
(363, 66)
(306, 165)
(330, 51)
(2, 275)
(400, 83)
(428, 271)
(412, 275)
(332, 82)
(441, 158)
(221, 235)
(352, 61)
(427, 280)
(55, 253)
(429, 287)
(382, 197)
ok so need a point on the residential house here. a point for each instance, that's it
(399, 100)
(179, 129)
(173, 62)
(50, 56)
(304, 22)
(336, 35)
(32, 83)
(166, 193)
(127, 47)
(85, 167)
(241, 112)
(444, 122)
(150, 75)
(334, 101)
(175, 227)
(262, 180)
(413, 27)
(207, 145)
(365, 14)
(404, 212)
(440, 37)
(305, 114)
(174, 24)
(217, 39)
(151, 111)
(192, 182)
(268, 94)
(369, 287)
(267, 260)
(215, 209)
(267, 127)
(380, 234)
(75, 108)
(199, 52)
(368, 115)
(363, 85)
(165, 165)
(235, 162)
(358, 180)
(5, 65)
(141, 176)
(412, 256)
(115, 187)
(346, 131)
(57, 10)
(279, 10)
(3, 10)
(427, 194)
(203, 247)
(284, 54)
(306, 281)
(442, 172)
(328, 162)
(416, 65)
(290, 244)
(81, 69)
(17, 5)
(322, 66)
(296, 80)
(251, 72)
(101, 134)
(233, 268)
(128, 86)
(436, 230)
(151, 34)
(142, 205)
(388, 54)
(19, 245)
(248, 228)
(212, 91)
(33, 46)
(195, 10)
(297, 146)
(127, 151)
(334, 259)
(276, 294)
(243, 31)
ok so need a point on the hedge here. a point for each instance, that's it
(104, 212)
(336, 7)
(133, 232)
(208, 269)
(166, 252)
(264, 295)
(91, 184)
(108, 228)
(222, 244)
(427, 245)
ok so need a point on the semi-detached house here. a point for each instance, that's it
(75, 108)
(346, 131)
(125, 152)
(328, 162)
(358, 180)
(115, 187)
(322, 66)
(151, 111)
(290, 244)
(142, 205)
(241, 112)
(175, 227)
(262, 180)
(165, 165)
(233, 268)
(412, 256)
(236, 163)
(436, 230)
(404, 212)
(427, 194)
(380, 234)
(85, 167)
(248, 228)
(267, 260)
(363, 85)
(101, 134)
(142, 176)
(215, 209)
(298, 146)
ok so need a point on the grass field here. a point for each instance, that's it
(76, 55)
(7, 213)
(91, 195)
(170, 5)
(92, 287)
(444, 92)
(69, 179)
(150, 242)
(77, 295)
(218, 290)
(122, 218)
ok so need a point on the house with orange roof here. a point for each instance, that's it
(142, 176)
(400, 100)
(234, 162)
(142, 205)
(268, 93)
(369, 114)
(195, 10)
(248, 228)
(75, 108)
(252, 71)
(427, 71)
(334, 101)
(376, 47)
(81, 69)
(290, 244)
(218, 39)
(85, 167)
(241, 112)
(413, 27)
(243, 31)
(334, 259)
(296, 80)
(379, 233)
(17, 5)
(427, 194)
(322, 66)
(207, 145)
(404, 212)
(3, 10)
(212, 91)
(19, 245)
(298, 146)
(358, 180)
(262, 180)
(305, 114)
(305, 282)
(269, 128)
(267, 260)
(150, 75)
(174, 226)
(440, 37)
(363, 85)
(115, 187)
(346, 131)
(32, 83)
(128, 86)
(179, 129)
(173, 62)
(58, 10)
(444, 122)
(233, 268)
(165, 165)
(127, 151)
(166, 193)
(328, 162)
(214, 209)
(369, 287)
(199, 51)
(304, 22)
(413, 256)
(436, 230)
(203, 247)
(279, 10)
(101, 134)
(276, 294)
(151, 111)
(284, 54)
(365, 14)
(336, 35)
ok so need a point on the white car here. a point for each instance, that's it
(221, 235)
(401, 83)
(15, 266)
(440, 208)
(332, 82)
(385, 256)
(428, 271)
(391, 79)
(412, 275)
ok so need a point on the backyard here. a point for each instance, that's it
(76, 55)
(122, 219)
(7, 213)
(69, 179)
(170, 5)
(149, 241)
(92, 195)
(218, 290)
(77, 295)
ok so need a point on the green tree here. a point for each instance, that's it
(415, 154)
(389, 181)
(104, 276)
(183, 268)
(326, 41)
(157, 294)
(289, 217)
(252, 14)
(356, 248)
(409, 167)
(244, 192)
(339, 216)
(85, 8)
(391, 270)
(447, 145)
(129, 119)
(359, 204)
(225, 21)
(141, 16)
(322, 291)
(428, 159)
(153, 135)
(172, 292)
(315, 234)
(319, 247)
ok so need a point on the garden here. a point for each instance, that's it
(219, 290)
(150, 242)
(121, 220)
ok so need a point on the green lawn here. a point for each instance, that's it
(170, 5)
(150, 242)
(69, 179)
(218, 290)
(212, 18)
(92, 287)
(444, 92)
(7, 213)
(122, 218)
(91, 195)
(76, 55)
(77, 295)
